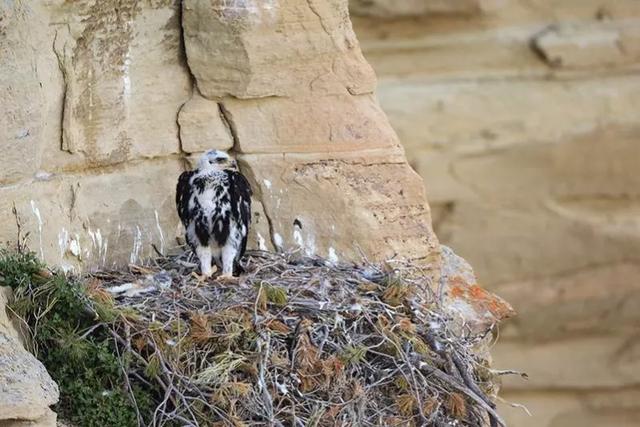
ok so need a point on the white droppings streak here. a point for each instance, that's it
(310, 247)
(262, 244)
(90, 90)
(99, 244)
(267, 183)
(63, 239)
(99, 239)
(104, 253)
(93, 236)
(74, 247)
(277, 240)
(126, 78)
(256, 10)
(332, 257)
(67, 268)
(297, 237)
(161, 235)
(119, 232)
(43, 176)
(137, 246)
(36, 212)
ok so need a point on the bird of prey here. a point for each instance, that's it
(214, 205)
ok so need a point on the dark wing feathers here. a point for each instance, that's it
(240, 202)
(183, 195)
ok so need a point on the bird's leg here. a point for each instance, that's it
(204, 255)
(228, 258)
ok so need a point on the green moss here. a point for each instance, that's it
(93, 390)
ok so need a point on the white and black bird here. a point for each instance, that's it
(214, 205)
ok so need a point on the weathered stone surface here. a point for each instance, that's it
(475, 308)
(80, 219)
(202, 127)
(558, 199)
(259, 232)
(535, 175)
(310, 124)
(8, 325)
(614, 408)
(124, 77)
(393, 8)
(251, 49)
(23, 109)
(439, 119)
(26, 390)
(113, 87)
(495, 44)
(49, 419)
(578, 363)
(306, 196)
(577, 46)
(603, 299)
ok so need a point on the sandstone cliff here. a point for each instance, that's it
(105, 103)
(26, 389)
(523, 119)
(104, 100)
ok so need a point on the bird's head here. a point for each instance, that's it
(216, 160)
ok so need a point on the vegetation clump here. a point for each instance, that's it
(70, 335)
(298, 342)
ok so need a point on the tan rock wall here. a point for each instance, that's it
(107, 102)
(26, 389)
(523, 118)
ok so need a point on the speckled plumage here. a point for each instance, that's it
(214, 205)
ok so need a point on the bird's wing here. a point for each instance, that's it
(183, 195)
(240, 190)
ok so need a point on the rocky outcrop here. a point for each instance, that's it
(26, 389)
(92, 95)
(107, 102)
(110, 98)
(522, 119)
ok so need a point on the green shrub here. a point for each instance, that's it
(59, 311)
(17, 268)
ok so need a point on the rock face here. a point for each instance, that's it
(406, 8)
(104, 100)
(254, 49)
(26, 389)
(522, 118)
(92, 95)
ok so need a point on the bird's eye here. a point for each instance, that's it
(221, 160)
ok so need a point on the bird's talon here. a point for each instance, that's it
(229, 279)
(200, 278)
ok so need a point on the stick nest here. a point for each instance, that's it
(298, 342)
